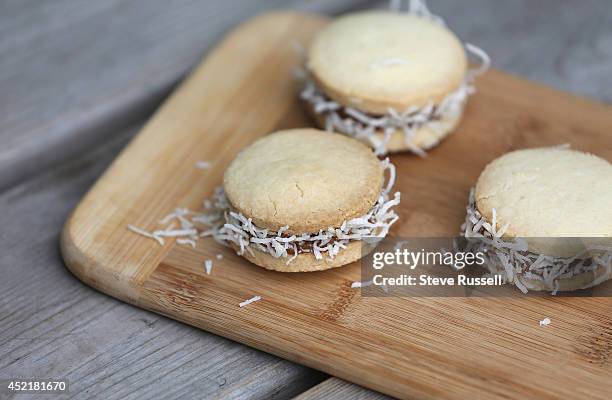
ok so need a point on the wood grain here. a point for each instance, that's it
(334, 388)
(409, 348)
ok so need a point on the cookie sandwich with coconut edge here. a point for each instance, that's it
(543, 217)
(304, 200)
(397, 80)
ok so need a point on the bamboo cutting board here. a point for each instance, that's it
(421, 348)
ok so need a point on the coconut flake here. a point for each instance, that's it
(202, 164)
(178, 212)
(546, 321)
(144, 233)
(193, 225)
(168, 232)
(418, 8)
(249, 301)
(361, 284)
(189, 242)
(208, 264)
(483, 59)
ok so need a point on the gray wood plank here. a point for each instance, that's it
(560, 43)
(51, 325)
(73, 72)
(334, 388)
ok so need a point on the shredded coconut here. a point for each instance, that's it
(169, 232)
(512, 258)
(144, 233)
(242, 232)
(416, 7)
(545, 322)
(189, 242)
(362, 126)
(176, 214)
(249, 301)
(361, 284)
(208, 264)
(203, 164)
(193, 225)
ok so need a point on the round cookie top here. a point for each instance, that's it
(548, 193)
(303, 178)
(379, 59)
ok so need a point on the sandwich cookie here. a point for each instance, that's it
(544, 218)
(396, 80)
(303, 200)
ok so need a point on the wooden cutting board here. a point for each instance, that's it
(451, 348)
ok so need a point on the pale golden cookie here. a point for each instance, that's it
(549, 193)
(543, 217)
(377, 60)
(305, 179)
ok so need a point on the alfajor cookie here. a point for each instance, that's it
(396, 80)
(544, 218)
(303, 200)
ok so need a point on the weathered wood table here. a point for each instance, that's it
(79, 78)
